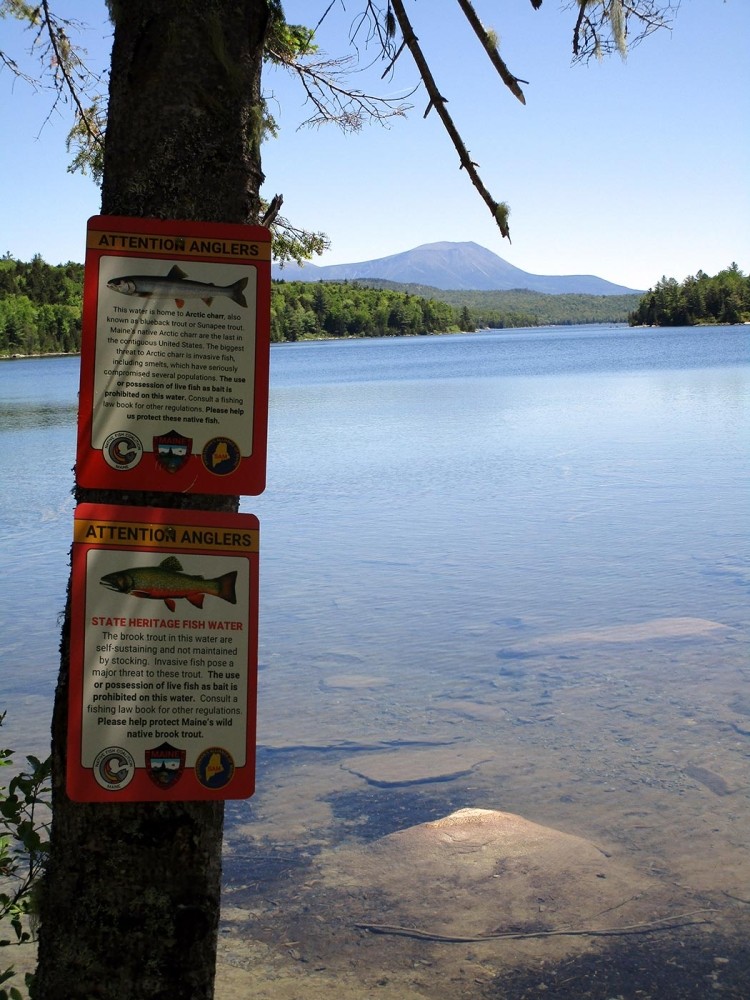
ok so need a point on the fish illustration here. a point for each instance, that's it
(167, 582)
(176, 285)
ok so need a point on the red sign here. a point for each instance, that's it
(174, 356)
(163, 658)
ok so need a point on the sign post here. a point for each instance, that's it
(174, 356)
(163, 659)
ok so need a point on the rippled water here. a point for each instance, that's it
(422, 489)
(526, 547)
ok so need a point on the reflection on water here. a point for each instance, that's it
(499, 571)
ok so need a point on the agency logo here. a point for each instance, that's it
(114, 768)
(122, 450)
(214, 768)
(165, 765)
(172, 451)
(221, 456)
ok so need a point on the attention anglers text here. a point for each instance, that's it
(109, 532)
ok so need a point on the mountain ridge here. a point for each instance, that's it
(453, 267)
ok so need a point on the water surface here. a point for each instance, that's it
(526, 551)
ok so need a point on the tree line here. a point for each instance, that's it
(302, 310)
(699, 299)
(40, 307)
(521, 307)
(40, 310)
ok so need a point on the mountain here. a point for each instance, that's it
(465, 266)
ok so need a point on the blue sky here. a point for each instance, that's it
(628, 170)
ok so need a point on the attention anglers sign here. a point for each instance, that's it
(163, 658)
(174, 356)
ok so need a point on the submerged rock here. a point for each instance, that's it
(482, 872)
(416, 766)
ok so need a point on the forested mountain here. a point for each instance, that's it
(523, 307)
(724, 298)
(40, 307)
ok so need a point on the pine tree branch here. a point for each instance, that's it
(63, 65)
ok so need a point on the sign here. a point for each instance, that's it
(174, 356)
(163, 658)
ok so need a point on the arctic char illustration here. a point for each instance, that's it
(176, 285)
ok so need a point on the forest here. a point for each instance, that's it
(303, 310)
(699, 299)
(40, 307)
(522, 307)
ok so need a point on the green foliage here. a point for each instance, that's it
(40, 307)
(23, 853)
(285, 42)
(291, 243)
(301, 309)
(700, 299)
(86, 140)
(521, 307)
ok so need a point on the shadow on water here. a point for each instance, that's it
(683, 966)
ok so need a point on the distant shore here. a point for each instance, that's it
(49, 354)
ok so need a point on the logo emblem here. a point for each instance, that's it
(165, 764)
(221, 456)
(172, 451)
(122, 450)
(214, 768)
(114, 768)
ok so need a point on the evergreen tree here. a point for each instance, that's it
(724, 299)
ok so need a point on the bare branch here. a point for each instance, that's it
(392, 62)
(269, 216)
(510, 81)
(62, 68)
(335, 101)
(499, 210)
(16, 70)
(376, 24)
(605, 26)
(68, 63)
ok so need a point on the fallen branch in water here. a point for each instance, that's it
(646, 928)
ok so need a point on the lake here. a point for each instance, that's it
(502, 571)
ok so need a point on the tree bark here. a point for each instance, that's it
(129, 907)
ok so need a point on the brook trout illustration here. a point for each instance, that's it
(176, 285)
(166, 582)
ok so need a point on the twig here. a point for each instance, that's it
(738, 898)
(61, 63)
(646, 928)
(510, 81)
(499, 211)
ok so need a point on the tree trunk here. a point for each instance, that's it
(129, 908)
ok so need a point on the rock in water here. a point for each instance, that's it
(478, 872)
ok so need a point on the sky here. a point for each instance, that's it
(630, 170)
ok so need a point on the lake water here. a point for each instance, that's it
(506, 571)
